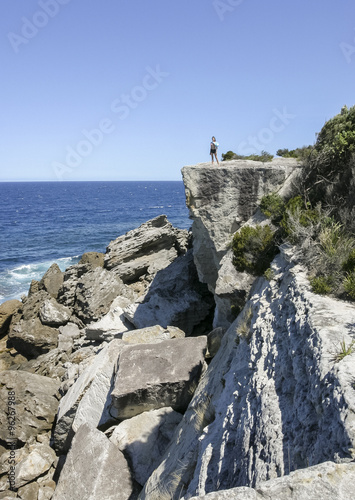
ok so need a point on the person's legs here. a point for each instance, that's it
(212, 157)
(216, 157)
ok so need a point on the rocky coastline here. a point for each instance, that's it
(158, 371)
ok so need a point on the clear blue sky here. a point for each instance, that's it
(134, 89)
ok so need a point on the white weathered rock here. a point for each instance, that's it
(146, 250)
(39, 460)
(94, 469)
(54, 314)
(144, 438)
(327, 481)
(87, 401)
(112, 324)
(67, 335)
(273, 398)
(175, 297)
(153, 376)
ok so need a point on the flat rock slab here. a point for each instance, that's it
(327, 481)
(145, 438)
(152, 376)
(95, 469)
(36, 403)
(152, 335)
(87, 401)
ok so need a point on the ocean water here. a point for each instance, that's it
(46, 222)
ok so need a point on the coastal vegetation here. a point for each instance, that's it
(264, 156)
(318, 220)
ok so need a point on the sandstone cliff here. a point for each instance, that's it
(134, 369)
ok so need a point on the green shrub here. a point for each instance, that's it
(344, 351)
(253, 249)
(269, 274)
(299, 153)
(321, 285)
(273, 206)
(349, 284)
(264, 156)
(328, 171)
(229, 155)
(349, 263)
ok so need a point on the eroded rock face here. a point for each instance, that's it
(95, 292)
(31, 338)
(94, 468)
(7, 310)
(152, 376)
(146, 250)
(273, 398)
(221, 198)
(326, 481)
(176, 297)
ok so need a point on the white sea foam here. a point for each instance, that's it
(15, 282)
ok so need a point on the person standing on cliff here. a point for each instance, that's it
(213, 149)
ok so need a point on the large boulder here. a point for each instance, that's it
(27, 334)
(95, 292)
(7, 310)
(94, 259)
(152, 376)
(31, 338)
(176, 297)
(35, 464)
(94, 469)
(52, 280)
(145, 438)
(54, 314)
(146, 250)
(88, 400)
(36, 400)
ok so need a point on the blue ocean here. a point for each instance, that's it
(46, 222)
